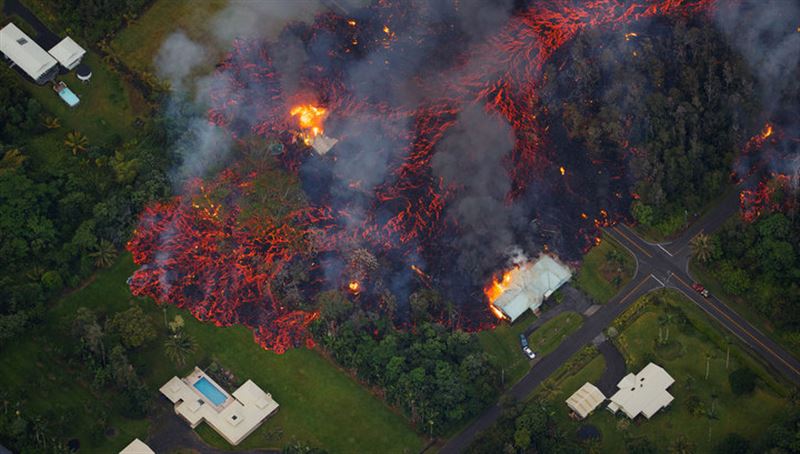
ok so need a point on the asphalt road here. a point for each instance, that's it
(658, 266)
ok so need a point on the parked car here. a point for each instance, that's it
(523, 340)
(529, 353)
(700, 289)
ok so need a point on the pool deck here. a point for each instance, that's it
(236, 418)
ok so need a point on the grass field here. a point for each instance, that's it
(139, 42)
(684, 357)
(597, 274)
(502, 345)
(318, 403)
(547, 337)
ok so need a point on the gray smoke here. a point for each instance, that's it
(471, 156)
(178, 57)
(181, 60)
(765, 32)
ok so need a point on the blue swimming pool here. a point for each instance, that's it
(208, 389)
(69, 97)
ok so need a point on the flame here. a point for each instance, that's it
(628, 36)
(386, 29)
(495, 289)
(767, 131)
(562, 170)
(354, 286)
(310, 119)
(351, 22)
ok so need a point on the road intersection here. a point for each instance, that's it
(658, 266)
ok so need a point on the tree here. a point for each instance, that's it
(104, 254)
(733, 443)
(133, 327)
(51, 122)
(701, 247)
(12, 160)
(178, 347)
(743, 381)
(76, 142)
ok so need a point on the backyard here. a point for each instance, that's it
(606, 268)
(705, 409)
(319, 404)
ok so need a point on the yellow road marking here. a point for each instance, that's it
(634, 289)
(631, 241)
(741, 328)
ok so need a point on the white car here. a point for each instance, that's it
(529, 352)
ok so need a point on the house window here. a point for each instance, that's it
(22, 41)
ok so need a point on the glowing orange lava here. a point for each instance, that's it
(354, 286)
(767, 131)
(562, 170)
(311, 119)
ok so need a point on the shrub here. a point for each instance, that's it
(733, 444)
(743, 381)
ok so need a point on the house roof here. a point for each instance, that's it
(68, 53)
(24, 52)
(585, 399)
(137, 447)
(530, 284)
(645, 392)
(234, 419)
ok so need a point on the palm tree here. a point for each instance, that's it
(51, 122)
(701, 247)
(76, 142)
(104, 254)
(178, 347)
(668, 318)
(708, 363)
(12, 159)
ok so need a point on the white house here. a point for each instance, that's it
(529, 284)
(585, 400)
(25, 53)
(645, 392)
(68, 53)
(137, 447)
(199, 398)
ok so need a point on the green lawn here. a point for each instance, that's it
(685, 359)
(318, 403)
(547, 337)
(502, 345)
(597, 274)
(139, 42)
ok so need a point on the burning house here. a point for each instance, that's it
(527, 286)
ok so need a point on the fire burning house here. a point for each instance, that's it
(527, 286)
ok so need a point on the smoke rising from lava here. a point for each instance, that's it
(442, 163)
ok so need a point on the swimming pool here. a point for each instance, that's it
(69, 97)
(208, 389)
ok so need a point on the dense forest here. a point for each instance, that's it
(94, 19)
(760, 261)
(673, 101)
(436, 376)
(60, 223)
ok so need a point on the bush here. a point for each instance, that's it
(52, 281)
(743, 381)
(733, 444)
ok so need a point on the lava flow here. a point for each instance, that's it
(206, 251)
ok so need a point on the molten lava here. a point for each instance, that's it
(207, 251)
